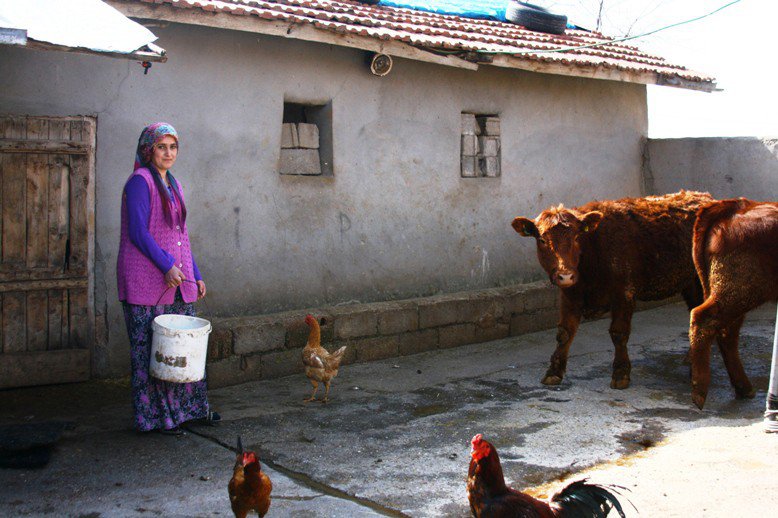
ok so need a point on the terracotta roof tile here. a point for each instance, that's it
(450, 34)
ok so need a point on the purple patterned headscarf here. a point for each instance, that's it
(150, 135)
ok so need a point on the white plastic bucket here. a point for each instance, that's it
(179, 347)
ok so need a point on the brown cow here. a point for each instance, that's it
(606, 255)
(736, 256)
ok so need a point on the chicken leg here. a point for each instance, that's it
(326, 391)
(313, 394)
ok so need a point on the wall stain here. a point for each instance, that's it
(237, 227)
(345, 225)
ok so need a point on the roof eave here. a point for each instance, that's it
(252, 24)
(154, 54)
(601, 72)
(285, 30)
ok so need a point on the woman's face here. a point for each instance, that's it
(164, 153)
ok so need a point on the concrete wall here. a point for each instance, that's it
(395, 220)
(725, 167)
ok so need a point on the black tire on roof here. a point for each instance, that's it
(535, 19)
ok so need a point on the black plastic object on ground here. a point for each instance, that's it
(535, 18)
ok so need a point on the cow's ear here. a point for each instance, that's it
(591, 220)
(525, 227)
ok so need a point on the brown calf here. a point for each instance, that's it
(606, 255)
(736, 256)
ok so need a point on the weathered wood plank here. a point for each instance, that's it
(14, 181)
(37, 211)
(79, 216)
(77, 130)
(37, 128)
(79, 323)
(44, 146)
(55, 314)
(14, 326)
(59, 128)
(39, 274)
(59, 212)
(16, 128)
(44, 368)
(65, 319)
(44, 284)
(37, 320)
(138, 55)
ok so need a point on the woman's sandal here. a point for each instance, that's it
(212, 418)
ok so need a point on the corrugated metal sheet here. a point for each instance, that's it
(83, 24)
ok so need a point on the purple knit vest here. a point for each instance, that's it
(140, 281)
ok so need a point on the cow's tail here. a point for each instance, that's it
(707, 219)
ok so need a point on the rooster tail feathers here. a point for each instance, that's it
(588, 500)
(240, 446)
(339, 353)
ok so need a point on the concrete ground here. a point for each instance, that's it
(394, 439)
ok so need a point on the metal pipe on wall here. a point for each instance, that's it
(771, 412)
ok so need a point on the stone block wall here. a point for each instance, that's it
(269, 346)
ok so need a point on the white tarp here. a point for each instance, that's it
(88, 24)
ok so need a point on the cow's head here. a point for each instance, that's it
(558, 232)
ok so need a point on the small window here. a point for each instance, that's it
(480, 149)
(306, 140)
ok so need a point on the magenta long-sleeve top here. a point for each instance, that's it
(150, 245)
(138, 214)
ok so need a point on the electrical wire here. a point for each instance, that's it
(609, 42)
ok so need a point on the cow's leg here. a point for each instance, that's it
(727, 339)
(569, 319)
(693, 297)
(621, 325)
(702, 330)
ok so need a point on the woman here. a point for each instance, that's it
(155, 271)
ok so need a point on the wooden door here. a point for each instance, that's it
(47, 206)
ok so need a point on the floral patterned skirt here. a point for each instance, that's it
(159, 404)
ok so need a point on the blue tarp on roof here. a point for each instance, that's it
(484, 9)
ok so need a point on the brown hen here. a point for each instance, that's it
(320, 365)
(249, 488)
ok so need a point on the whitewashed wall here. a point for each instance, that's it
(396, 220)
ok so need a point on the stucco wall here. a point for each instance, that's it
(395, 220)
(725, 167)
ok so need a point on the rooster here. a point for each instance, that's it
(320, 365)
(490, 497)
(249, 488)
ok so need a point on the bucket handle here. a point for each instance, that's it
(166, 290)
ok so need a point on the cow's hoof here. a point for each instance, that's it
(620, 384)
(699, 400)
(551, 379)
(745, 393)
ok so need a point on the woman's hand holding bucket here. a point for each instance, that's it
(174, 277)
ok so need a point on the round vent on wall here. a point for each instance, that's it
(380, 64)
